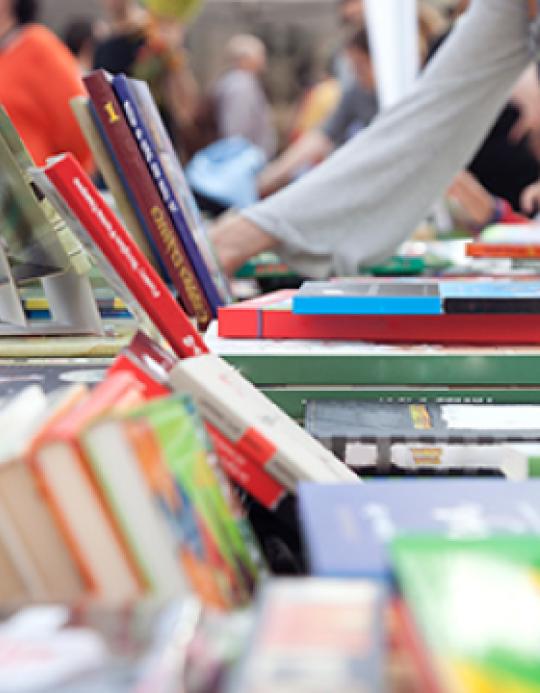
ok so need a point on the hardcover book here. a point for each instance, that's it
(140, 112)
(271, 317)
(147, 202)
(347, 529)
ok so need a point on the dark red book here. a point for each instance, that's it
(147, 202)
(85, 202)
(271, 317)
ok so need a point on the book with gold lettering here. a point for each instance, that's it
(147, 202)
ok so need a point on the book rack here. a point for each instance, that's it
(72, 305)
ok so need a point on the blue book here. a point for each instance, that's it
(368, 298)
(490, 297)
(347, 529)
(145, 140)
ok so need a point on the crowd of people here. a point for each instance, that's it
(470, 128)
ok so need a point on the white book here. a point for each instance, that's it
(247, 418)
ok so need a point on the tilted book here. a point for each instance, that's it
(94, 218)
(127, 96)
(152, 212)
(256, 426)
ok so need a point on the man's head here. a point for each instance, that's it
(359, 56)
(351, 13)
(246, 52)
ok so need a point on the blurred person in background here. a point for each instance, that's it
(139, 45)
(79, 37)
(38, 77)
(355, 110)
(241, 106)
(354, 209)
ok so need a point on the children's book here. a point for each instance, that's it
(347, 529)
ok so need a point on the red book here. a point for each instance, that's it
(100, 222)
(139, 359)
(517, 251)
(146, 199)
(271, 317)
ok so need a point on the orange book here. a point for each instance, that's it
(76, 499)
(516, 251)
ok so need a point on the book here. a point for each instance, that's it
(132, 100)
(347, 529)
(422, 435)
(76, 499)
(256, 426)
(315, 635)
(80, 106)
(509, 297)
(92, 217)
(122, 470)
(309, 363)
(507, 241)
(271, 317)
(173, 450)
(138, 182)
(152, 366)
(475, 638)
(367, 298)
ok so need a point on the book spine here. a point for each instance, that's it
(152, 212)
(243, 471)
(516, 251)
(126, 258)
(148, 150)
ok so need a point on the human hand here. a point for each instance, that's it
(235, 239)
(530, 199)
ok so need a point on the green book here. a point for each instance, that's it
(198, 503)
(315, 363)
(476, 606)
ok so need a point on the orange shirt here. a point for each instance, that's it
(38, 77)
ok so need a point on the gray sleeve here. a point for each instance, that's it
(355, 208)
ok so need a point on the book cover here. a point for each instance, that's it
(98, 222)
(211, 547)
(316, 635)
(347, 529)
(147, 202)
(255, 425)
(344, 297)
(458, 594)
(490, 297)
(271, 317)
(130, 103)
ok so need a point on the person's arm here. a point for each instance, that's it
(311, 148)
(355, 208)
